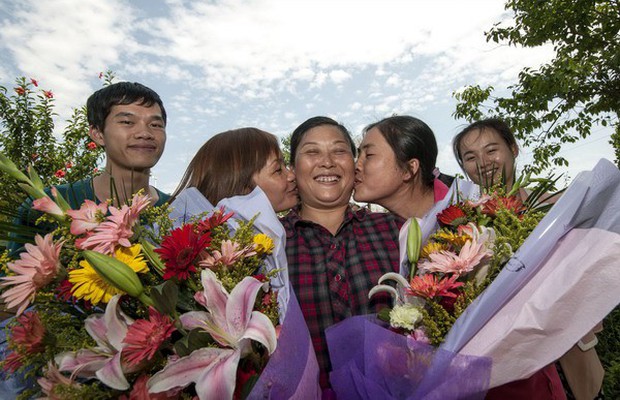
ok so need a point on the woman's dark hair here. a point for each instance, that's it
(410, 138)
(495, 124)
(100, 103)
(225, 165)
(313, 122)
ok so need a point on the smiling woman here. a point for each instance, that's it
(487, 151)
(234, 162)
(335, 254)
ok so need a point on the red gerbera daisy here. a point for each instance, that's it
(216, 219)
(145, 337)
(452, 216)
(429, 286)
(512, 203)
(180, 249)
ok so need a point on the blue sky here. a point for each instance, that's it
(272, 64)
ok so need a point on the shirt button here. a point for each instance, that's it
(333, 246)
(338, 278)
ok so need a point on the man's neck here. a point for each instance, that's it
(331, 219)
(120, 186)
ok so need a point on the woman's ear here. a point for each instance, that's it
(96, 135)
(515, 150)
(413, 167)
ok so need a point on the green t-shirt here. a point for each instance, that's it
(75, 193)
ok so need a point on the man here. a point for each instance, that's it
(129, 121)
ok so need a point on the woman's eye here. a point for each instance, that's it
(126, 122)
(158, 125)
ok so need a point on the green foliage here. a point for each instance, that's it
(27, 135)
(607, 350)
(615, 141)
(561, 101)
(286, 148)
(92, 390)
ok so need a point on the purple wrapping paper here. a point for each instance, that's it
(371, 362)
(292, 371)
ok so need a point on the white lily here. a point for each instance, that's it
(399, 294)
(231, 321)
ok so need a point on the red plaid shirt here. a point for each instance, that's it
(332, 275)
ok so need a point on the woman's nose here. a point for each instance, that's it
(327, 160)
(290, 175)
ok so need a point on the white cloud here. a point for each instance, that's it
(66, 42)
(339, 76)
(271, 63)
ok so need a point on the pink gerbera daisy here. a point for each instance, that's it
(145, 337)
(28, 335)
(26, 338)
(447, 262)
(116, 230)
(36, 268)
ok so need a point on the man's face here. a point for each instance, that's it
(134, 137)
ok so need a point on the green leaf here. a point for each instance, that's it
(165, 297)
(194, 340)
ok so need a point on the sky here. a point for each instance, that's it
(271, 64)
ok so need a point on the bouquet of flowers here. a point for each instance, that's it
(486, 277)
(123, 302)
(459, 260)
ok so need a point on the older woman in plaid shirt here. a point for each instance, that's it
(336, 253)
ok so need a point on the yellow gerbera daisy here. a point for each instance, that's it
(89, 285)
(263, 244)
(455, 240)
(432, 247)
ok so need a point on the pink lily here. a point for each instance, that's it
(88, 217)
(103, 361)
(232, 322)
(37, 267)
(485, 236)
(482, 234)
(228, 255)
(47, 205)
